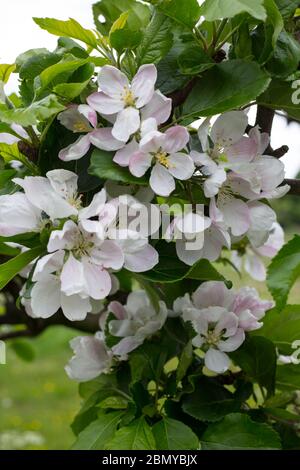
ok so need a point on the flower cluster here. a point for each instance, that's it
(219, 317)
(84, 244)
(229, 165)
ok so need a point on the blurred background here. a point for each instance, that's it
(37, 400)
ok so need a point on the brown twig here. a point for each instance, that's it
(295, 186)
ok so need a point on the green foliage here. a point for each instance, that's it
(5, 72)
(137, 436)
(186, 13)
(239, 432)
(30, 115)
(284, 271)
(12, 267)
(217, 9)
(96, 435)
(23, 349)
(171, 434)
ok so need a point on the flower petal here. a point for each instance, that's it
(181, 166)
(103, 139)
(76, 150)
(112, 81)
(95, 206)
(64, 182)
(139, 163)
(47, 265)
(45, 297)
(216, 361)
(127, 123)
(74, 307)
(161, 181)
(176, 138)
(105, 104)
(72, 277)
(142, 85)
(97, 279)
(236, 215)
(108, 255)
(141, 260)
(159, 108)
(123, 156)
(233, 342)
(229, 128)
(18, 215)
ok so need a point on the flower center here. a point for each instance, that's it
(212, 338)
(163, 158)
(82, 247)
(128, 97)
(75, 201)
(81, 127)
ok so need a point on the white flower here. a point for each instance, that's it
(164, 153)
(91, 358)
(18, 215)
(136, 321)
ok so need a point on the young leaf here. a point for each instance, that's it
(218, 9)
(12, 267)
(5, 71)
(31, 115)
(283, 271)
(238, 432)
(70, 28)
(185, 12)
(171, 434)
(225, 86)
(96, 435)
(137, 436)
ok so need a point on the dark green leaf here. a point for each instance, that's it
(288, 377)
(286, 56)
(102, 165)
(238, 432)
(96, 435)
(284, 271)
(287, 7)
(193, 61)
(186, 13)
(171, 434)
(6, 175)
(283, 95)
(12, 267)
(227, 85)
(136, 436)
(210, 402)
(24, 349)
(157, 40)
(257, 359)
(218, 9)
(185, 361)
(34, 61)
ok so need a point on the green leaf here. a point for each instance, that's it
(125, 39)
(210, 402)
(136, 436)
(228, 85)
(283, 328)
(23, 349)
(70, 28)
(33, 62)
(238, 432)
(286, 56)
(31, 115)
(185, 361)
(139, 14)
(6, 175)
(283, 95)
(194, 61)
(96, 435)
(287, 8)
(257, 359)
(185, 12)
(218, 9)
(114, 403)
(5, 71)
(267, 33)
(171, 434)
(102, 165)
(288, 377)
(171, 269)
(157, 40)
(278, 414)
(284, 271)
(12, 267)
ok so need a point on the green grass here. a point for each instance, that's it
(38, 396)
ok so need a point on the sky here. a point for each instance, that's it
(19, 33)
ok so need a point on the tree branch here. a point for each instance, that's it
(295, 186)
(264, 119)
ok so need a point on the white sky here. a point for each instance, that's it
(19, 33)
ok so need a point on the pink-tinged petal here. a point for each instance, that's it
(112, 81)
(159, 108)
(271, 172)
(142, 85)
(65, 238)
(215, 238)
(233, 342)
(74, 120)
(141, 260)
(276, 193)
(104, 104)
(203, 133)
(123, 156)
(227, 324)
(95, 206)
(18, 215)
(152, 141)
(176, 138)
(188, 257)
(76, 150)
(126, 345)
(274, 243)
(214, 182)
(236, 215)
(127, 123)
(262, 217)
(147, 126)
(229, 128)
(255, 267)
(137, 300)
(64, 182)
(45, 297)
(202, 159)
(72, 277)
(89, 113)
(108, 255)
(216, 361)
(181, 166)
(139, 163)
(47, 265)
(40, 193)
(214, 213)
(117, 309)
(93, 227)
(192, 223)
(103, 139)
(212, 293)
(161, 181)
(97, 280)
(245, 150)
(262, 140)
(74, 307)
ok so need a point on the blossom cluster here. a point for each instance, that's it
(219, 318)
(231, 167)
(85, 244)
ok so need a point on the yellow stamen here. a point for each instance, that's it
(163, 159)
(128, 97)
(81, 127)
